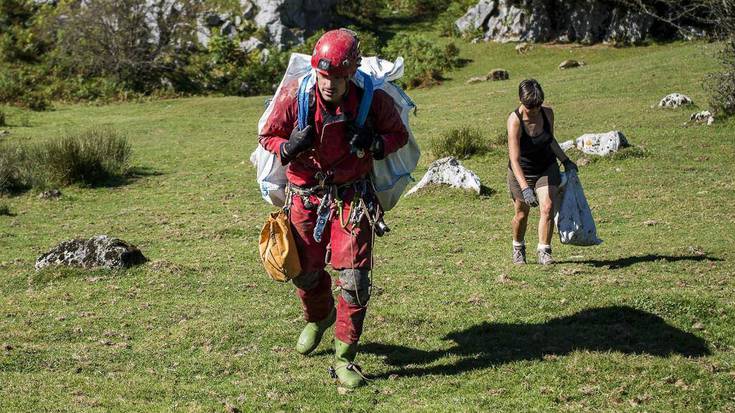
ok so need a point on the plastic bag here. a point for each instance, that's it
(574, 218)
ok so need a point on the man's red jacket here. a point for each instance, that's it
(330, 152)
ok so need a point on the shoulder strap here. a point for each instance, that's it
(520, 119)
(547, 124)
(304, 102)
(367, 97)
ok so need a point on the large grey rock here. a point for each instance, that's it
(675, 100)
(288, 22)
(448, 171)
(601, 144)
(476, 16)
(100, 251)
(583, 21)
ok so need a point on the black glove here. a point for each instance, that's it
(365, 139)
(570, 166)
(299, 141)
(378, 148)
(529, 197)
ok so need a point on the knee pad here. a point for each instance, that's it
(307, 280)
(355, 285)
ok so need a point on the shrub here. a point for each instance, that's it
(92, 157)
(425, 61)
(14, 162)
(4, 209)
(721, 85)
(461, 143)
(2, 118)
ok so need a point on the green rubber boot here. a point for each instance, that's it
(312, 334)
(349, 374)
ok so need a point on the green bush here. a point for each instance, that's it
(94, 157)
(461, 143)
(425, 61)
(4, 209)
(14, 168)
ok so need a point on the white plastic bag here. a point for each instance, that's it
(390, 176)
(574, 218)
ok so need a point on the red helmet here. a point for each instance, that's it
(337, 53)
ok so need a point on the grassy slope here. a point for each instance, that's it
(201, 325)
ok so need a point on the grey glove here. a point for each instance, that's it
(570, 166)
(529, 197)
(299, 141)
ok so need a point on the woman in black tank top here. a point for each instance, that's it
(533, 173)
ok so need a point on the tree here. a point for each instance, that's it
(133, 41)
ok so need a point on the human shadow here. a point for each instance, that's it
(608, 329)
(628, 261)
(130, 176)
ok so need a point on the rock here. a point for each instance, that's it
(214, 19)
(601, 144)
(523, 48)
(698, 326)
(251, 44)
(228, 29)
(675, 100)
(289, 22)
(476, 16)
(650, 222)
(570, 64)
(99, 251)
(448, 171)
(703, 116)
(50, 194)
(4, 133)
(498, 74)
(476, 79)
(566, 145)
(583, 21)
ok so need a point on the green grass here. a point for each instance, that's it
(643, 322)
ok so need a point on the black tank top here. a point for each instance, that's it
(536, 153)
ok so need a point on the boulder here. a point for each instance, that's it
(476, 16)
(601, 144)
(289, 22)
(476, 79)
(570, 64)
(703, 116)
(523, 48)
(448, 171)
(50, 194)
(675, 100)
(498, 74)
(100, 251)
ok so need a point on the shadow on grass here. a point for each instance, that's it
(609, 329)
(132, 175)
(628, 261)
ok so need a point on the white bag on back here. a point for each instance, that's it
(390, 176)
(574, 218)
